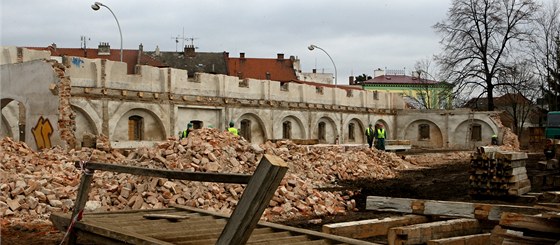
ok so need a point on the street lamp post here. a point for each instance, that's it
(96, 6)
(312, 47)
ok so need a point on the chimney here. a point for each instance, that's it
(378, 72)
(141, 47)
(226, 54)
(351, 80)
(189, 51)
(53, 45)
(314, 70)
(280, 57)
(157, 52)
(242, 55)
(104, 49)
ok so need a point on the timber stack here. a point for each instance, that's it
(498, 173)
(516, 228)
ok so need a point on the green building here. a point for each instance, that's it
(420, 93)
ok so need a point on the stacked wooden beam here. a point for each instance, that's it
(515, 228)
(498, 173)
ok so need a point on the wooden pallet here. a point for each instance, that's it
(199, 227)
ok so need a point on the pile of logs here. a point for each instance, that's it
(515, 228)
(34, 184)
(498, 173)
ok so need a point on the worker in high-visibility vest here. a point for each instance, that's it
(370, 135)
(232, 129)
(380, 136)
(185, 133)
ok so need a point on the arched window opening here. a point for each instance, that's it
(322, 131)
(287, 130)
(423, 132)
(351, 132)
(135, 128)
(476, 132)
(246, 129)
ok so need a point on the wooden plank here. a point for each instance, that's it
(371, 227)
(81, 199)
(169, 217)
(294, 230)
(278, 241)
(506, 236)
(533, 223)
(422, 233)
(389, 204)
(511, 155)
(445, 208)
(117, 233)
(476, 239)
(254, 200)
(454, 209)
(170, 174)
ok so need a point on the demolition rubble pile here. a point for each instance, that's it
(34, 184)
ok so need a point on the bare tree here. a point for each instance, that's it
(518, 99)
(545, 50)
(431, 92)
(477, 38)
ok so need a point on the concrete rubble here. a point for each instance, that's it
(35, 184)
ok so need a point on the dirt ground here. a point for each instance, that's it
(440, 178)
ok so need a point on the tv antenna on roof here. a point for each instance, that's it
(177, 38)
(192, 40)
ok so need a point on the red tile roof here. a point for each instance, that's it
(257, 68)
(130, 56)
(398, 79)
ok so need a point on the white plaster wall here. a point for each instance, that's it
(10, 120)
(156, 119)
(9, 55)
(153, 128)
(208, 115)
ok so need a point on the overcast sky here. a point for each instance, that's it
(359, 35)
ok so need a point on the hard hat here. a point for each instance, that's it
(189, 125)
(231, 123)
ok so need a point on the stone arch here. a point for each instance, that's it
(331, 131)
(461, 134)
(85, 124)
(258, 132)
(435, 135)
(13, 119)
(153, 128)
(359, 129)
(297, 127)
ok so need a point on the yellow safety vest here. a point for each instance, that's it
(380, 133)
(369, 131)
(233, 130)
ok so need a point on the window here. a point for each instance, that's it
(423, 132)
(322, 131)
(267, 75)
(476, 132)
(349, 93)
(135, 128)
(283, 86)
(376, 95)
(351, 133)
(197, 124)
(246, 129)
(244, 83)
(287, 130)
(319, 90)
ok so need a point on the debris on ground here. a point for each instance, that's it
(36, 184)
